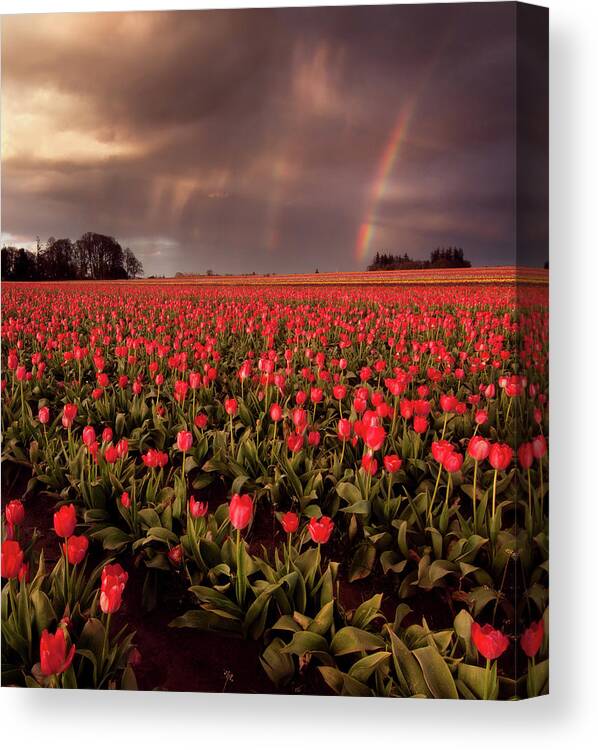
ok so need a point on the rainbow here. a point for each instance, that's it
(385, 166)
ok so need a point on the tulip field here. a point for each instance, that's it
(316, 485)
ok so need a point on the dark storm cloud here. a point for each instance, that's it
(251, 140)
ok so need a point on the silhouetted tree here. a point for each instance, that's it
(133, 265)
(94, 256)
(57, 260)
(451, 257)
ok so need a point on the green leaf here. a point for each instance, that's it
(208, 621)
(215, 600)
(305, 641)
(349, 640)
(474, 679)
(367, 612)
(322, 622)
(349, 493)
(128, 680)
(43, 611)
(362, 562)
(343, 684)
(437, 675)
(277, 664)
(390, 560)
(363, 669)
(409, 673)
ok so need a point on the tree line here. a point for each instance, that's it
(93, 256)
(442, 257)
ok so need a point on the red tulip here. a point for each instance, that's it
(290, 522)
(275, 412)
(125, 500)
(392, 463)
(539, 447)
(111, 454)
(230, 406)
(490, 391)
(122, 448)
(316, 395)
(54, 659)
(452, 461)
(68, 415)
(106, 434)
(421, 408)
(197, 508)
(369, 464)
(481, 416)
(114, 579)
(44, 415)
(525, 454)
(500, 456)
(300, 398)
(175, 555)
(531, 638)
(420, 424)
(406, 408)
(89, 435)
(295, 442)
(374, 438)
(15, 512)
(489, 642)
(240, 511)
(321, 529)
(184, 440)
(360, 405)
(65, 520)
(339, 392)
(478, 448)
(448, 403)
(299, 417)
(77, 548)
(313, 438)
(344, 429)
(12, 559)
(440, 448)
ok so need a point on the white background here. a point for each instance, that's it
(33, 718)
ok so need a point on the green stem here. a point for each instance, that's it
(105, 642)
(474, 499)
(448, 487)
(434, 494)
(486, 679)
(532, 676)
(66, 573)
(444, 425)
(240, 571)
(494, 494)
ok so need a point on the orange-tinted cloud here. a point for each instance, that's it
(248, 140)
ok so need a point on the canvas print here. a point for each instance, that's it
(275, 351)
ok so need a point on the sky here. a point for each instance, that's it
(274, 140)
